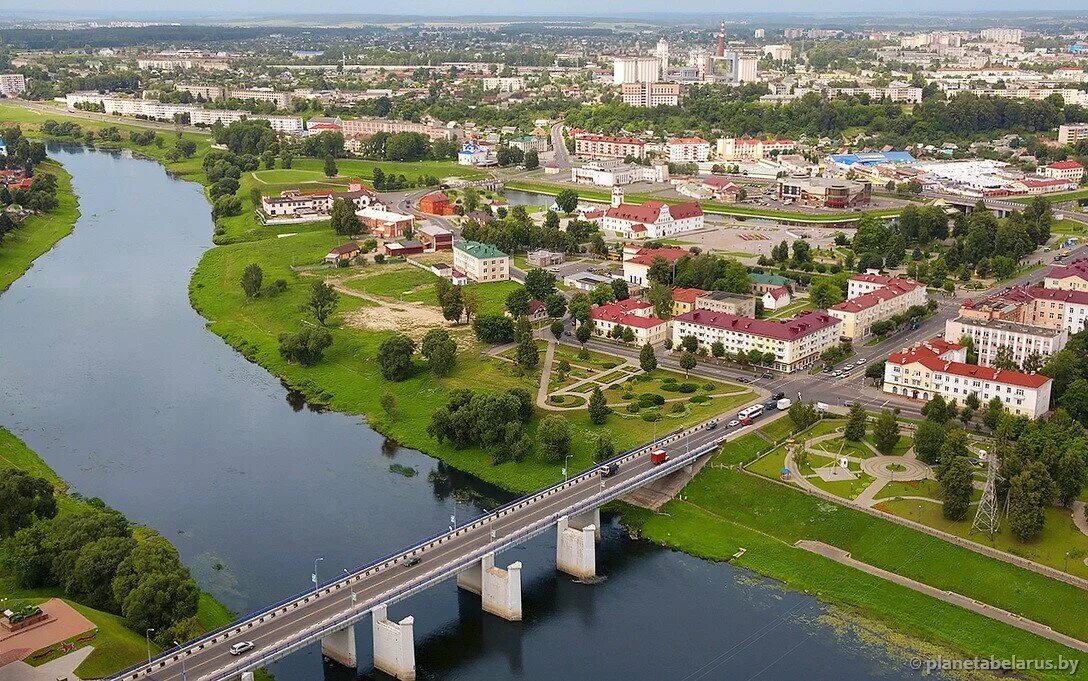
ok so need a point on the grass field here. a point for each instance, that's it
(22, 246)
(413, 285)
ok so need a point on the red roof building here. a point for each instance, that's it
(795, 343)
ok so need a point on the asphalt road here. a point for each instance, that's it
(562, 157)
(214, 661)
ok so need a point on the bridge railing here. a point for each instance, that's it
(362, 572)
(320, 629)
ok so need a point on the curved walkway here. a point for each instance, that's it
(1079, 518)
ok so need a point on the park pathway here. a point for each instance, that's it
(1079, 518)
(545, 377)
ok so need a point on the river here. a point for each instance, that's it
(110, 375)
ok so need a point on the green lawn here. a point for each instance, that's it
(900, 448)
(413, 285)
(39, 233)
(913, 488)
(353, 167)
(779, 429)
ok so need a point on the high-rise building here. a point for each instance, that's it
(12, 84)
(760, 34)
(1002, 35)
(636, 70)
(662, 53)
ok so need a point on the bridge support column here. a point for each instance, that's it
(586, 519)
(575, 549)
(394, 645)
(247, 676)
(339, 646)
(499, 590)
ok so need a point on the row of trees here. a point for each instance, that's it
(517, 232)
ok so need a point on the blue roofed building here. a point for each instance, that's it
(873, 158)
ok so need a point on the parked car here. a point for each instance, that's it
(767, 374)
(241, 647)
(608, 470)
(862, 361)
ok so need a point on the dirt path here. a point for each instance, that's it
(411, 319)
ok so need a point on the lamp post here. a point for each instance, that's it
(566, 461)
(184, 673)
(313, 577)
(147, 637)
(354, 596)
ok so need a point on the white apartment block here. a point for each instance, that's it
(650, 94)
(636, 70)
(796, 343)
(990, 335)
(937, 367)
(12, 84)
(282, 100)
(687, 150)
(294, 203)
(504, 84)
(480, 262)
(205, 92)
(778, 52)
(894, 92)
(1071, 133)
(866, 307)
(1063, 170)
(366, 127)
(744, 149)
(156, 110)
(601, 146)
(1002, 35)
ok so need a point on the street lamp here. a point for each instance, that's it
(566, 461)
(147, 637)
(313, 577)
(184, 673)
(354, 596)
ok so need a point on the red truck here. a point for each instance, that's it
(658, 457)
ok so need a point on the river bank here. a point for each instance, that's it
(38, 233)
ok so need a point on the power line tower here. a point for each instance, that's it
(987, 517)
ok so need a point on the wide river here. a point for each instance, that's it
(110, 375)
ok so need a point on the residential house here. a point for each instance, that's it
(481, 262)
(631, 314)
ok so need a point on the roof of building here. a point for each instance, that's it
(436, 196)
(725, 296)
(770, 279)
(615, 140)
(433, 230)
(619, 312)
(893, 289)
(1073, 268)
(398, 245)
(645, 256)
(929, 354)
(721, 183)
(1065, 165)
(681, 294)
(478, 250)
(778, 292)
(1044, 182)
(790, 329)
(349, 247)
(688, 140)
(651, 211)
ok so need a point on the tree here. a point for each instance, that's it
(526, 355)
(687, 362)
(601, 294)
(955, 445)
(557, 329)
(928, 441)
(1075, 400)
(532, 160)
(994, 410)
(886, 432)
(343, 218)
(1030, 492)
(556, 305)
(825, 293)
(517, 302)
(803, 415)
(159, 600)
(440, 351)
(553, 438)
(453, 305)
(1070, 472)
(856, 423)
(598, 408)
(605, 449)
(579, 307)
(660, 271)
(583, 333)
(252, 277)
(956, 488)
(90, 579)
(395, 357)
(566, 200)
(620, 290)
(1003, 359)
(646, 358)
(330, 166)
(306, 346)
(388, 402)
(689, 343)
(27, 498)
(938, 410)
(717, 349)
(322, 302)
(660, 296)
(539, 283)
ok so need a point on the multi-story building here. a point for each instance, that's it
(316, 204)
(366, 127)
(536, 143)
(795, 343)
(12, 84)
(631, 314)
(384, 223)
(937, 367)
(1002, 35)
(1063, 170)
(650, 220)
(602, 146)
(475, 154)
(650, 94)
(480, 262)
(687, 150)
(866, 307)
(616, 173)
(504, 83)
(991, 335)
(636, 70)
(684, 299)
(434, 238)
(895, 92)
(1073, 276)
(205, 92)
(637, 261)
(824, 192)
(282, 100)
(746, 149)
(1071, 133)
(778, 52)
(729, 303)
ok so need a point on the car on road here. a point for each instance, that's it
(711, 425)
(777, 396)
(862, 361)
(767, 374)
(847, 403)
(608, 470)
(848, 367)
(734, 423)
(747, 421)
(742, 379)
(411, 562)
(241, 647)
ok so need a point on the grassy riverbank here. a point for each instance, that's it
(725, 509)
(39, 233)
(115, 645)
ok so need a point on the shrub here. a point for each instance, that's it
(633, 407)
(699, 399)
(687, 388)
(677, 408)
(650, 417)
(708, 386)
(651, 399)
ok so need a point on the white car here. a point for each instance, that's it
(862, 361)
(848, 367)
(734, 424)
(241, 647)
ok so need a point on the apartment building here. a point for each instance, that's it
(650, 94)
(685, 299)
(745, 149)
(504, 84)
(637, 261)
(480, 262)
(938, 367)
(636, 70)
(631, 314)
(729, 303)
(687, 150)
(602, 146)
(205, 92)
(1002, 35)
(282, 100)
(1063, 170)
(796, 343)
(12, 84)
(866, 307)
(384, 223)
(366, 127)
(1073, 276)
(316, 205)
(1071, 133)
(991, 335)
(616, 173)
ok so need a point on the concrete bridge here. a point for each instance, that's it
(328, 613)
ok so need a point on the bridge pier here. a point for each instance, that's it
(394, 645)
(585, 520)
(339, 646)
(247, 676)
(575, 549)
(499, 590)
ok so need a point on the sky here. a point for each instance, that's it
(552, 7)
